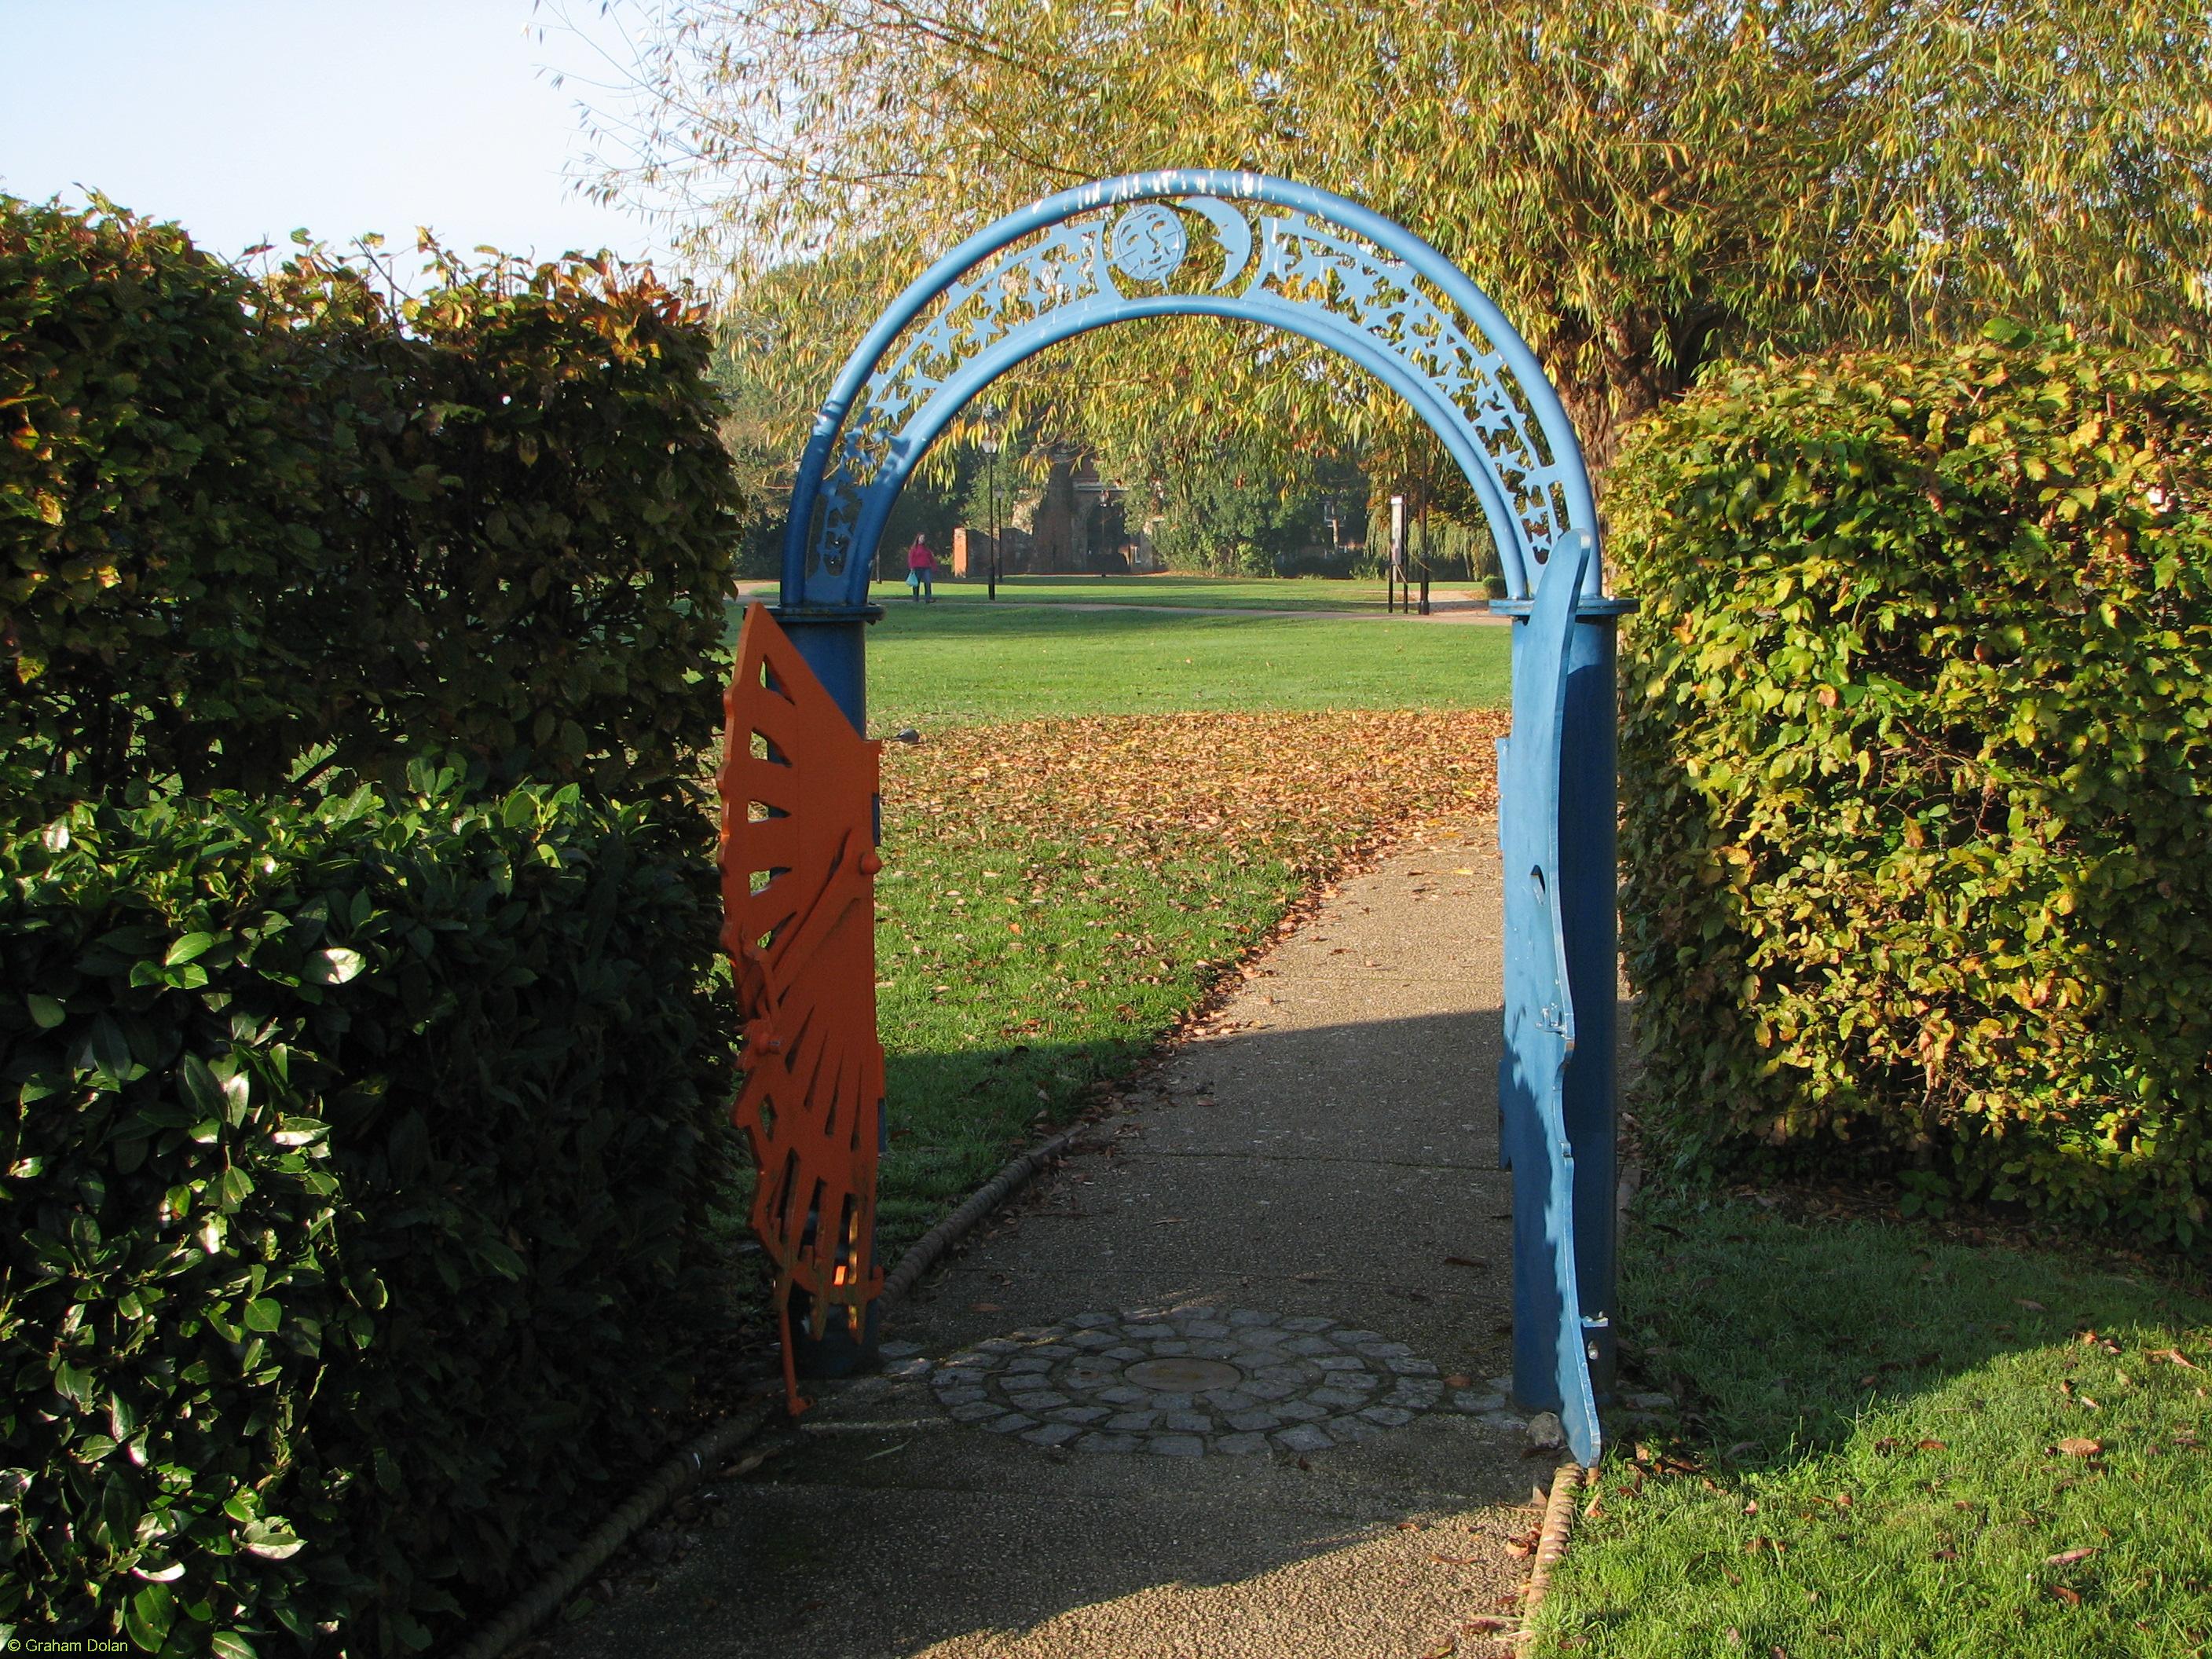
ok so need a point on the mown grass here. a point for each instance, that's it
(933, 666)
(1266, 593)
(992, 1035)
(1901, 1444)
(1263, 593)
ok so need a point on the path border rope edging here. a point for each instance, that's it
(1551, 1543)
(691, 1465)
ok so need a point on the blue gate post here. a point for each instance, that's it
(1590, 886)
(834, 641)
(1590, 878)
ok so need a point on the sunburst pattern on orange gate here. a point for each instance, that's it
(798, 787)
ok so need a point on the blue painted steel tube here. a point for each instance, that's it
(835, 643)
(969, 380)
(1589, 884)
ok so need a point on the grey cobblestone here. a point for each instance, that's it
(1239, 1382)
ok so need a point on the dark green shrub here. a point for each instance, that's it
(1917, 716)
(152, 501)
(249, 524)
(530, 521)
(348, 1246)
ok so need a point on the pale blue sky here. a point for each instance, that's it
(243, 118)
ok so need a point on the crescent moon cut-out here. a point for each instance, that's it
(1229, 226)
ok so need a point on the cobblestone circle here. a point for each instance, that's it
(1184, 1383)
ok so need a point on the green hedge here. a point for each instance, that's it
(253, 525)
(152, 501)
(1917, 718)
(348, 1250)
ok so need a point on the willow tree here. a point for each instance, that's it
(1640, 186)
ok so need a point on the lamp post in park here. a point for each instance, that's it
(991, 493)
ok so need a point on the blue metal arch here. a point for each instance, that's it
(914, 439)
(1330, 271)
(1325, 268)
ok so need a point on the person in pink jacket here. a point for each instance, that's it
(920, 565)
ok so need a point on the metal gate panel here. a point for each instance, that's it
(798, 787)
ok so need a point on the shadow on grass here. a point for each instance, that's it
(1898, 1444)
(1784, 1331)
(955, 1118)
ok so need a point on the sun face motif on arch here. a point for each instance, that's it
(1231, 245)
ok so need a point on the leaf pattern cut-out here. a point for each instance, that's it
(799, 862)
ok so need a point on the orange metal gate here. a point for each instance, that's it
(799, 862)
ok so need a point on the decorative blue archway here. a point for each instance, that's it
(1319, 266)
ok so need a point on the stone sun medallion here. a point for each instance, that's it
(1183, 1382)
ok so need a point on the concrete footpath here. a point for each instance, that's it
(1225, 1387)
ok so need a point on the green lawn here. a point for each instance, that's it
(992, 1036)
(1903, 1446)
(930, 666)
(1276, 593)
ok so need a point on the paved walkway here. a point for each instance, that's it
(1218, 1390)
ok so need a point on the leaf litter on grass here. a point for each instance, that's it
(1058, 897)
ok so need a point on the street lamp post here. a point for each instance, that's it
(991, 494)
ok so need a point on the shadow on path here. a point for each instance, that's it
(1321, 1166)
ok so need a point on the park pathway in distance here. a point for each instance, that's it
(1225, 1387)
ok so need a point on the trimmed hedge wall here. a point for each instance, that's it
(246, 523)
(357, 1154)
(1917, 727)
(354, 1240)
